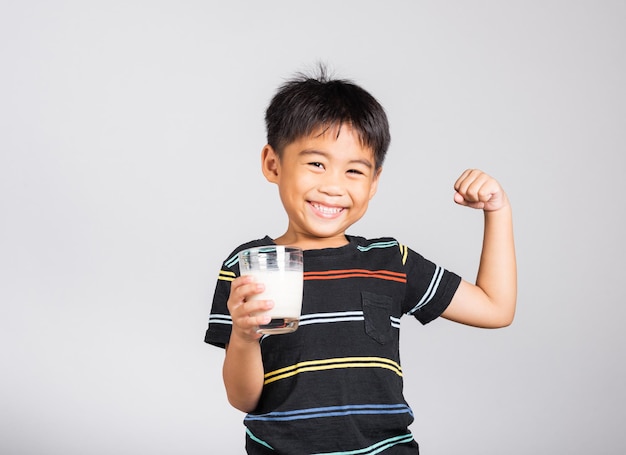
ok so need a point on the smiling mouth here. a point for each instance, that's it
(326, 210)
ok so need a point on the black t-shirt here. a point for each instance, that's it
(335, 384)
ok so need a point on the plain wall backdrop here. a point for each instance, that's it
(130, 140)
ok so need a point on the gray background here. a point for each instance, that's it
(130, 135)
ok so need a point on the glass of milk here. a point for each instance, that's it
(280, 269)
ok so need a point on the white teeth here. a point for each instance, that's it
(327, 210)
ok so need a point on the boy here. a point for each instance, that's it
(335, 385)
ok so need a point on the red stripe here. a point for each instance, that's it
(356, 273)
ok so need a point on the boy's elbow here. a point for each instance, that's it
(241, 405)
(499, 317)
(505, 320)
(503, 311)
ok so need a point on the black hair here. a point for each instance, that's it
(304, 104)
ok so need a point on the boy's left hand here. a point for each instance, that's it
(478, 190)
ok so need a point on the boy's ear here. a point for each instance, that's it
(270, 163)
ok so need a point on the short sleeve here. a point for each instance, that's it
(430, 288)
(220, 322)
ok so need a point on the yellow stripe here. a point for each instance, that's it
(225, 275)
(335, 360)
(331, 367)
(404, 251)
(329, 364)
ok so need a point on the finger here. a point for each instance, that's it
(244, 288)
(461, 179)
(459, 199)
(468, 180)
(260, 319)
(256, 307)
(241, 281)
(479, 189)
(251, 314)
(469, 185)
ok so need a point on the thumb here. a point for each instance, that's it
(459, 199)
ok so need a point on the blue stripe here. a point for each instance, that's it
(331, 411)
(232, 261)
(377, 245)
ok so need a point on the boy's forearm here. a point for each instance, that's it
(497, 273)
(243, 373)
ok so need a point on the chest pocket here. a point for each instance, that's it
(376, 311)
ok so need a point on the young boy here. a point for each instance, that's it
(335, 384)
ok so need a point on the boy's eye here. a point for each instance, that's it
(317, 164)
(355, 171)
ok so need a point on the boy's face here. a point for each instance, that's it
(325, 183)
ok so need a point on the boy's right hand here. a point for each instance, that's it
(244, 311)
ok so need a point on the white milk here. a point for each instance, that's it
(284, 287)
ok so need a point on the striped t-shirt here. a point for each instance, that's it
(334, 386)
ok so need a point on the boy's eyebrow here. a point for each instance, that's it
(307, 152)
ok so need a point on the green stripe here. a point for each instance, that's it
(255, 439)
(376, 448)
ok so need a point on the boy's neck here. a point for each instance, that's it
(312, 243)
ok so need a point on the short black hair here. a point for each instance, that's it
(304, 104)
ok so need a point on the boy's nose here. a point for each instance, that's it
(331, 185)
(331, 190)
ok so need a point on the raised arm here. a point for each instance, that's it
(489, 303)
(243, 365)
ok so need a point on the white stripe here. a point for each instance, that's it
(330, 315)
(430, 292)
(329, 320)
(345, 316)
(220, 319)
(341, 316)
